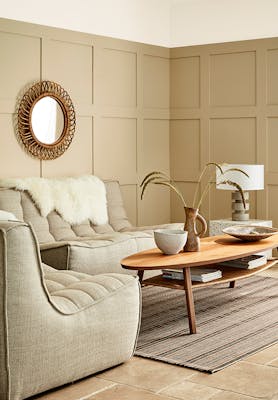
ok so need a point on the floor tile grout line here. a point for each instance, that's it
(97, 392)
(129, 386)
(217, 390)
(247, 395)
(269, 363)
(176, 383)
(262, 365)
(232, 391)
(141, 387)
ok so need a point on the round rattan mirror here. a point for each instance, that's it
(46, 120)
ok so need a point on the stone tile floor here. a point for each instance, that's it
(141, 379)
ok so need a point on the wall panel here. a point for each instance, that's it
(233, 140)
(155, 206)
(116, 81)
(155, 146)
(272, 76)
(272, 133)
(20, 64)
(238, 85)
(120, 91)
(220, 104)
(115, 149)
(272, 203)
(232, 79)
(185, 148)
(69, 64)
(156, 89)
(14, 161)
(185, 82)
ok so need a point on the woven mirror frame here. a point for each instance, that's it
(25, 129)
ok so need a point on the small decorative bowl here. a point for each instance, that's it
(170, 241)
(250, 233)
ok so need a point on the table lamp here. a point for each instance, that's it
(255, 181)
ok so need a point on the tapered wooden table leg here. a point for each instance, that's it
(232, 284)
(189, 300)
(140, 275)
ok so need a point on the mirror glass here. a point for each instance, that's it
(47, 120)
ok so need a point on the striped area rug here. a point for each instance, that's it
(231, 324)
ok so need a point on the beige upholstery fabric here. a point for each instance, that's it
(74, 291)
(83, 247)
(116, 211)
(99, 254)
(58, 326)
(54, 228)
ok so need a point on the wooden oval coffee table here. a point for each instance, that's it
(214, 249)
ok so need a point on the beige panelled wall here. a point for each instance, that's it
(120, 91)
(224, 108)
(141, 108)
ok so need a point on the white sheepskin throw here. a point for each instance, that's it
(75, 199)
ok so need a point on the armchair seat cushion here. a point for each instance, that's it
(72, 291)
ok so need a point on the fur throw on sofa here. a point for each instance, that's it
(75, 199)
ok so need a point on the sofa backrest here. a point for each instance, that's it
(54, 227)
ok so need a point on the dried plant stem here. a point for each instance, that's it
(200, 178)
(160, 178)
(238, 170)
(205, 191)
(173, 188)
(238, 187)
(156, 174)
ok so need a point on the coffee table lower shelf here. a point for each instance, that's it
(229, 274)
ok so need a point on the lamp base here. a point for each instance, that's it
(239, 213)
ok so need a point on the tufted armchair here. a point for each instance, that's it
(58, 326)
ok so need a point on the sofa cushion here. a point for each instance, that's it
(94, 249)
(10, 200)
(54, 227)
(72, 291)
(116, 211)
(98, 254)
(75, 198)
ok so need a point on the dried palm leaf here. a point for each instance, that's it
(237, 186)
(151, 179)
(165, 183)
(238, 170)
(157, 174)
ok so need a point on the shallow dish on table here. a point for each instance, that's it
(250, 233)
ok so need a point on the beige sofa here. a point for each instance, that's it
(58, 326)
(83, 247)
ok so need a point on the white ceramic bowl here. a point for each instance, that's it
(170, 241)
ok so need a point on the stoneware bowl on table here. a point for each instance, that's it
(170, 241)
(250, 233)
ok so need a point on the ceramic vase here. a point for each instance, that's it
(193, 239)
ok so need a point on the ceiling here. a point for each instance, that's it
(169, 23)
